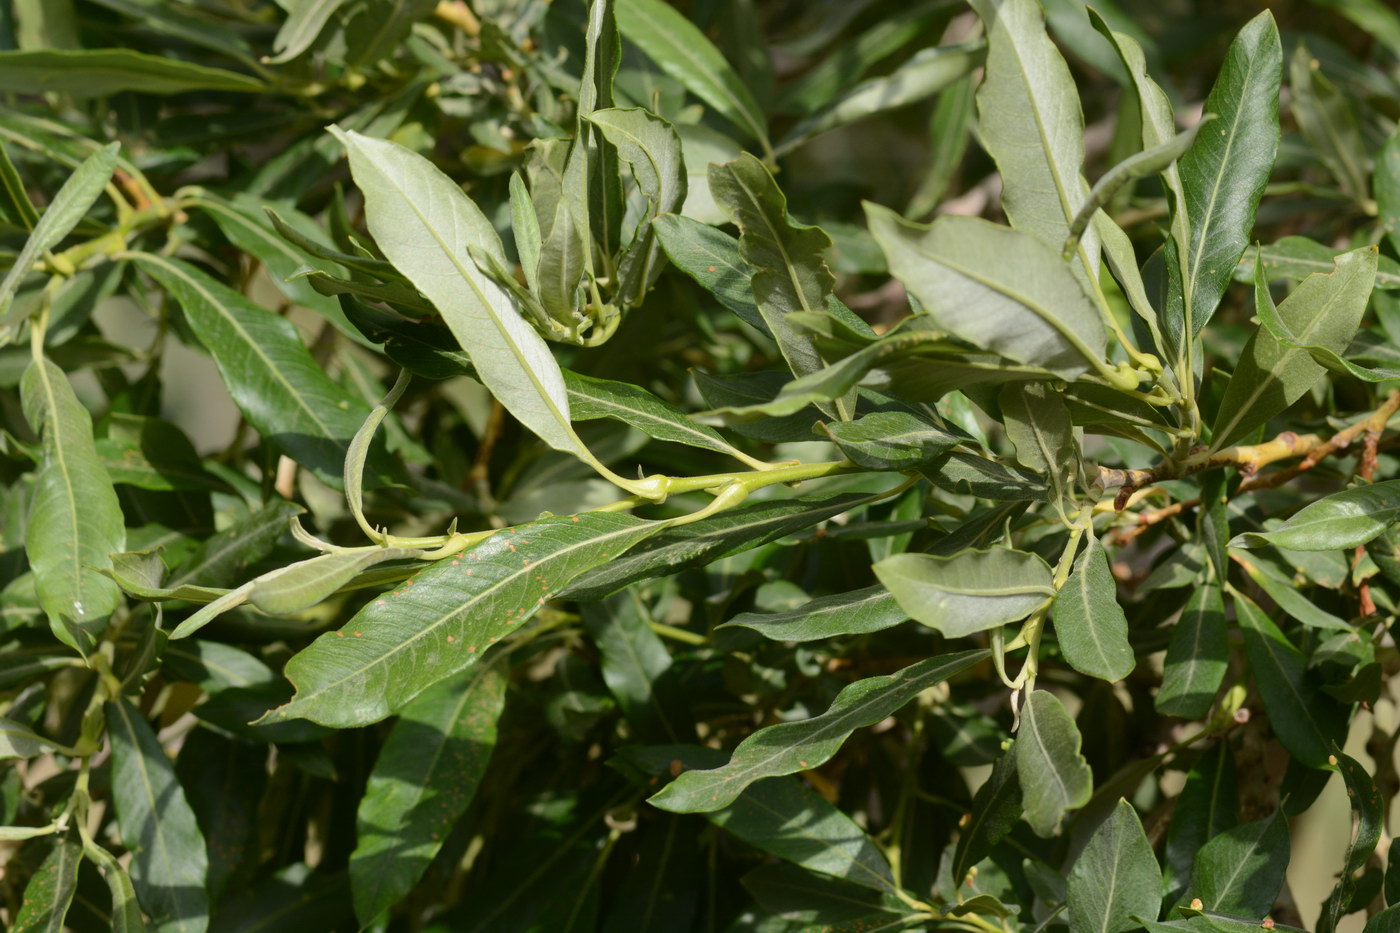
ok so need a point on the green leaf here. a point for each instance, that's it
(1206, 807)
(445, 618)
(890, 440)
(1368, 808)
(995, 810)
(1224, 172)
(1089, 623)
(1055, 778)
(1039, 427)
(299, 586)
(1325, 310)
(969, 592)
(710, 539)
(1341, 521)
(1297, 257)
(1284, 591)
(1115, 878)
(1030, 122)
(49, 892)
(125, 916)
(142, 574)
(683, 52)
(590, 398)
(969, 474)
(1305, 720)
(1386, 183)
(103, 72)
(926, 73)
(168, 864)
(1328, 122)
(790, 747)
(1241, 870)
(75, 521)
(426, 774)
(301, 27)
(790, 272)
(1032, 311)
(426, 226)
(19, 741)
(858, 612)
(62, 215)
(1197, 656)
(782, 816)
(661, 893)
(633, 662)
(710, 257)
(652, 149)
(268, 370)
(19, 207)
(220, 559)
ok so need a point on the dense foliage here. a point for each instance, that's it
(519, 466)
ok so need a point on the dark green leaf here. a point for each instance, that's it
(856, 613)
(1241, 870)
(1197, 656)
(50, 890)
(101, 72)
(634, 660)
(1206, 807)
(1369, 809)
(995, 809)
(890, 440)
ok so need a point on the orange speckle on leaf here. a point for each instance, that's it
(380, 602)
(455, 562)
(471, 647)
(451, 639)
(357, 634)
(574, 518)
(339, 634)
(712, 268)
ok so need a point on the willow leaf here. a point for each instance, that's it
(1089, 623)
(968, 592)
(1055, 778)
(301, 28)
(445, 618)
(49, 893)
(1196, 656)
(796, 746)
(855, 613)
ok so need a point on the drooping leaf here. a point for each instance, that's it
(49, 892)
(445, 618)
(858, 612)
(268, 370)
(1054, 776)
(1241, 870)
(1115, 878)
(790, 747)
(1224, 172)
(1196, 657)
(426, 226)
(1303, 718)
(169, 864)
(1340, 521)
(1089, 623)
(75, 521)
(19, 741)
(683, 52)
(426, 774)
(968, 592)
(1325, 310)
(1032, 311)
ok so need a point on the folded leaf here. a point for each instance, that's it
(796, 746)
(968, 592)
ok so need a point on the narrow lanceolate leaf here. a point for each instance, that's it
(683, 52)
(1207, 806)
(1324, 311)
(1241, 870)
(1055, 778)
(995, 809)
(633, 660)
(1032, 311)
(125, 916)
(1386, 184)
(50, 892)
(710, 539)
(427, 772)
(75, 521)
(62, 215)
(855, 613)
(784, 817)
(968, 592)
(1368, 808)
(590, 398)
(221, 558)
(102, 72)
(1197, 656)
(1091, 626)
(796, 746)
(790, 271)
(301, 27)
(444, 619)
(652, 149)
(1030, 121)
(1304, 718)
(1343, 520)
(891, 440)
(303, 584)
(168, 864)
(1297, 257)
(268, 370)
(1115, 878)
(711, 257)
(1224, 172)
(427, 226)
